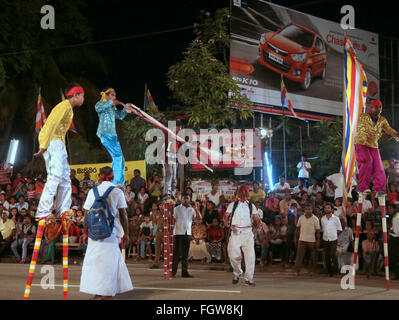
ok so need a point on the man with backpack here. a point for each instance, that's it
(104, 271)
(241, 215)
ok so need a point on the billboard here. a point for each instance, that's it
(271, 41)
(94, 169)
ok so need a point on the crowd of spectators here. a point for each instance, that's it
(276, 241)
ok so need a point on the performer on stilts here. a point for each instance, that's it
(369, 131)
(109, 109)
(58, 185)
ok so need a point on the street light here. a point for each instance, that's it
(12, 152)
(264, 133)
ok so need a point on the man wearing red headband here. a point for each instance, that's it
(52, 147)
(369, 131)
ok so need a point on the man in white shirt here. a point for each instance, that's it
(314, 189)
(331, 227)
(240, 219)
(214, 195)
(304, 168)
(281, 187)
(104, 271)
(183, 215)
(299, 188)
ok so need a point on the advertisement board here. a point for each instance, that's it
(236, 150)
(270, 42)
(94, 169)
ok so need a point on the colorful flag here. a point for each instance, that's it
(355, 103)
(286, 102)
(72, 127)
(149, 103)
(40, 115)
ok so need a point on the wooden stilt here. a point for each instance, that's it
(36, 248)
(358, 224)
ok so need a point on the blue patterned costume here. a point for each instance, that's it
(107, 134)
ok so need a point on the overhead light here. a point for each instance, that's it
(269, 171)
(264, 133)
(12, 152)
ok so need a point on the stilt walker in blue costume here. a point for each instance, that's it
(109, 109)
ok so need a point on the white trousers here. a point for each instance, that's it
(58, 181)
(244, 242)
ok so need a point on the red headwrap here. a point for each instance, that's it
(74, 90)
(375, 103)
(110, 177)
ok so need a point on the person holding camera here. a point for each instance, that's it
(109, 109)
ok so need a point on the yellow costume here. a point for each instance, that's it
(52, 138)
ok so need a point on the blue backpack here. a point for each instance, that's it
(100, 220)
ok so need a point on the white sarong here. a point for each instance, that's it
(104, 271)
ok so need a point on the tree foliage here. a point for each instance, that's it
(201, 81)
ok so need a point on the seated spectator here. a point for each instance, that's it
(31, 193)
(297, 191)
(314, 189)
(129, 196)
(76, 202)
(338, 209)
(198, 208)
(87, 180)
(209, 213)
(134, 234)
(215, 240)
(17, 180)
(214, 195)
(3, 201)
(351, 209)
(21, 189)
(82, 196)
(137, 182)
(32, 209)
(393, 194)
(281, 188)
(143, 196)
(84, 188)
(285, 204)
(24, 237)
(83, 242)
(259, 210)
(139, 213)
(370, 248)
(76, 225)
(5, 174)
(14, 215)
(7, 231)
(9, 192)
(191, 194)
(155, 190)
(272, 207)
(149, 181)
(257, 194)
(278, 233)
(51, 236)
(178, 196)
(262, 240)
(344, 245)
(198, 250)
(22, 204)
(304, 198)
(146, 238)
(318, 204)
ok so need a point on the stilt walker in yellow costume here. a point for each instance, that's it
(58, 185)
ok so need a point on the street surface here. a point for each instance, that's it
(273, 284)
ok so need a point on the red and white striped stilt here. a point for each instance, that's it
(35, 254)
(165, 241)
(65, 228)
(171, 241)
(358, 224)
(381, 201)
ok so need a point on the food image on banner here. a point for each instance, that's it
(270, 40)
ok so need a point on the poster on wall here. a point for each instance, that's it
(270, 42)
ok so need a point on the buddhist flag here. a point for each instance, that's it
(149, 103)
(40, 115)
(355, 102)
(72, 127)
(286, 102)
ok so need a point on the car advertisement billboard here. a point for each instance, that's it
(271, 41)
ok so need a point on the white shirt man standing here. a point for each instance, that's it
(183, 215)
(104, 271)
(304, 168)
(241, 236)
(331, 227)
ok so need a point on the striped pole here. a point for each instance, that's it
(165, 241)
(381, 201)
(358, 224)
(36, 248)
(65, 257)
(171, 239)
